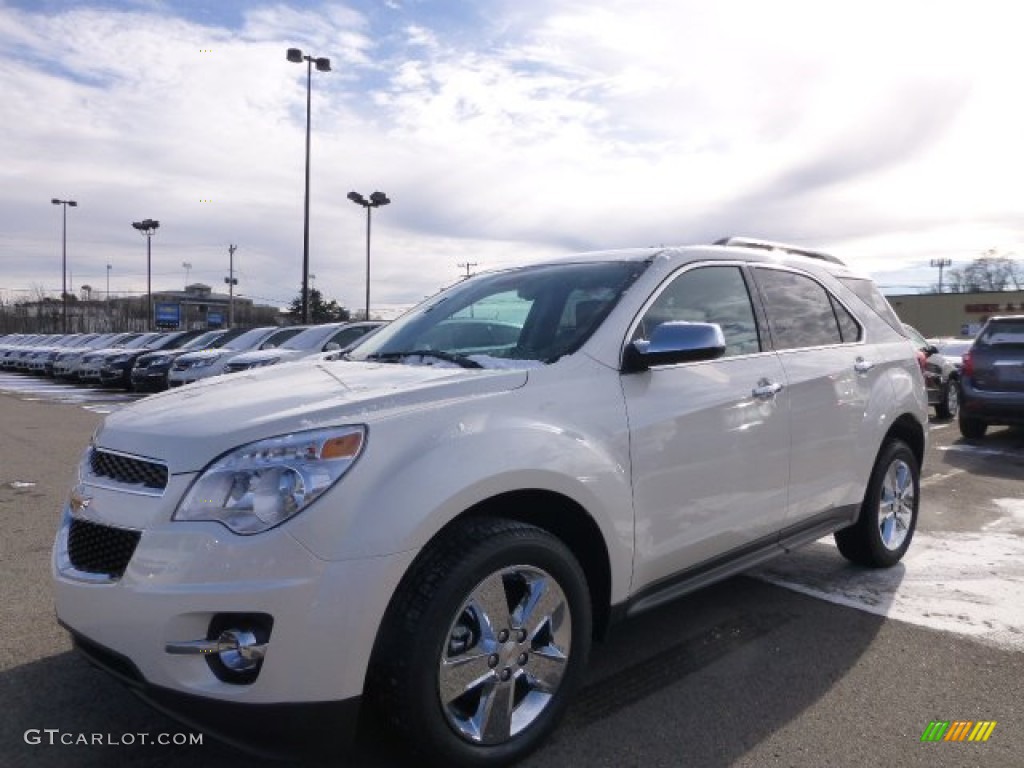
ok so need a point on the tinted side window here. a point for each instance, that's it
(799, 310)
(868, 292)
(707, 295)
(848, 325)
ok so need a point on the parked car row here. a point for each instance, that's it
(150, 362)
(979, 381)
(992, 377)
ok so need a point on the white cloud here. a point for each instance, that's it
(887, 132)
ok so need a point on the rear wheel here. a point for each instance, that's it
(483, 644)
(949, 406)
(888, 515)
(972, 428)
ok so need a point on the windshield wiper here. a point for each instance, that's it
(449, 357)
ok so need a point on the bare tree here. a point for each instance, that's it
(992, 271)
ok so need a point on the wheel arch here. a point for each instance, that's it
(565, 519)
(910, 431)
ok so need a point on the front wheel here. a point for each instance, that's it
(484, 643)
(888, 515)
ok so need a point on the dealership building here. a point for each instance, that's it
(955, 314)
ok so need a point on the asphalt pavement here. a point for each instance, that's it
(806, 662)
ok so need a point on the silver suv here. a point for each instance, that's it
(444, 519)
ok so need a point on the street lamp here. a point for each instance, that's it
(148, 228)
(188, 268)
(322, 65)
(108, 282)
(64, 260)
(941, 264)
(376, 200)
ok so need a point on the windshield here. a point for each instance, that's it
(1002, 333)
(311, 338)
(249, 339)
(516, 318)
(953, 348)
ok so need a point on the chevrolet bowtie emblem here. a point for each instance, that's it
(79, 502)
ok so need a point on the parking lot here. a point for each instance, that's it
(807, 662)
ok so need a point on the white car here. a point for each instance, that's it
(445, 528)
(203, 363)
(312, 341)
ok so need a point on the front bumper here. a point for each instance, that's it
(276, 731)
(182, 576)
(115, 375)
(151, 378)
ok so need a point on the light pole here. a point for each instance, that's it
(232, 281)
(322, 65)
(64, 260)
(188, 268)
(148, 227)
(108, 282)
(941, 264)
(377, 199)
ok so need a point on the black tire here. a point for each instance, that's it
(949, 406)
(431, 620)
(972, 428)
(865, 542)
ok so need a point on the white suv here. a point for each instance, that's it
(443, 520)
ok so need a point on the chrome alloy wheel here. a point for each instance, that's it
(952, 398)
(896, 505)
(505, 654)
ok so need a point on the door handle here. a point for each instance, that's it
(862, 366)
(766, 390)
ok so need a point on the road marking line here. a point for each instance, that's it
(939, 476)
(977, 450)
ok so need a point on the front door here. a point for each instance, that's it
(709, 441)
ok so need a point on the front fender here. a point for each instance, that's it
(404, 489)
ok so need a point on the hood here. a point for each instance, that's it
(276, 353)
(190, 426)
(204, 354)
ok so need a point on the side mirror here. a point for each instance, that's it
(930, 350)
(672, 343)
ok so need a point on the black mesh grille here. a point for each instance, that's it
(126, 470)
(95, 548)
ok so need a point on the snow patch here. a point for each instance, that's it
(967, 584)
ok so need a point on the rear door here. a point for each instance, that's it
(829, 374)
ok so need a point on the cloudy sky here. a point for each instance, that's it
(504, 131)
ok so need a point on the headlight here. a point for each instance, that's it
(162, 360)
(118, 359)
(262, 484)
(261, 363)
(203, 362)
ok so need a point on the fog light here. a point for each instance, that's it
(234, 648)
(237, 649)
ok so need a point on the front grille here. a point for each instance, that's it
(95, 548)
(128, 470)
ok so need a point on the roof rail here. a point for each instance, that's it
(767, 245)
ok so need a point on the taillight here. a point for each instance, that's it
(922, 360)
(967, 363)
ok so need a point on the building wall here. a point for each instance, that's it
(955, 314)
